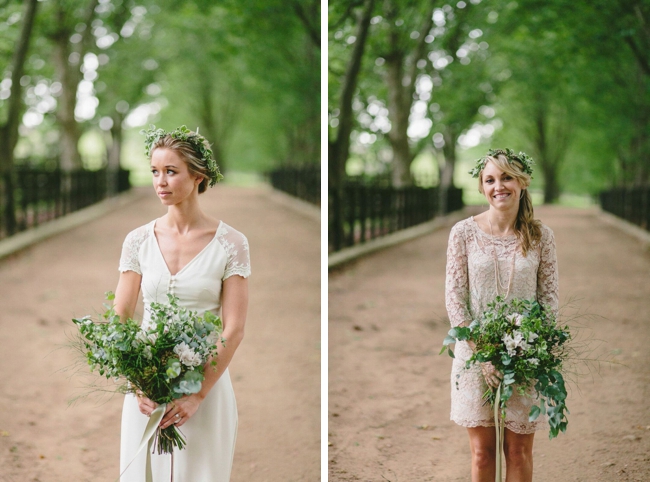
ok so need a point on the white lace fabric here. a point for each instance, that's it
(470, 286)
(234, 243)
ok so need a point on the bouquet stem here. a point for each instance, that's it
(499, 427)
(167, 439)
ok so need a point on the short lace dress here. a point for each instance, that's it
(211, 432)
(470, 286)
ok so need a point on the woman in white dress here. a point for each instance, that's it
(503, 251)
(205, 263)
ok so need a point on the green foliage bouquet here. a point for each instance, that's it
(523, 341)
(163, 360)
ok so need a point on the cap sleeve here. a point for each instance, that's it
(236, 246)
(130, 258)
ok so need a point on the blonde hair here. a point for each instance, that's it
(527, 229)
(195, 162)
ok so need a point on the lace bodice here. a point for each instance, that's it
(198, 283)
(471, 285)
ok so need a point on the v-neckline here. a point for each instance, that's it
(162, 257)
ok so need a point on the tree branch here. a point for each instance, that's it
(419, 52)
(644, 24)
(86, 36)
(342, 142)
(643, 62)
(348, 13)
(312, 31)
(20, 54)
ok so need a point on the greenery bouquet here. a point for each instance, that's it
(162, 360)
(524, 342)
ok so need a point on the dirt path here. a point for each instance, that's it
(389, 391)
(276, 371)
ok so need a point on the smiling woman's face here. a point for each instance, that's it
(501, 190)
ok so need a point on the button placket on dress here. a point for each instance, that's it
(170, 288)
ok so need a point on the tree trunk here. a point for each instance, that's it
(9, 131)
(339, 149)
(401, 73)
(399, 109)
(446, 171)
(218, 120)
(551, 136)
(69, 153)
(551, 185)
(209, 122)
(114, 155)
(70, 76)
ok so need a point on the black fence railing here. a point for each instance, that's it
(365, 212)
(300, 181)
(631, 204)
(41, 195)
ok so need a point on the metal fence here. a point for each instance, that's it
(631, 204)
(300, 181)
(42, 195)
(366, 212)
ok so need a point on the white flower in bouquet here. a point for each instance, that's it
(514, 341)
(515, 318)
(187, 356)
(141, 337)
(510, 344)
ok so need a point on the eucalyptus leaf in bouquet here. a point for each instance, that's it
(163, 359)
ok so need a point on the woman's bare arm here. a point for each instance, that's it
(234, 309)
(126, 294)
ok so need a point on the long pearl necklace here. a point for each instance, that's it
(497, 277)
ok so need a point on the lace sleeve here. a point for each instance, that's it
(457, 281)
(129, 260)
(236, 246)
(547, 274)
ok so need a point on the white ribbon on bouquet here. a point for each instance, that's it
(499, 426)
(148, 440)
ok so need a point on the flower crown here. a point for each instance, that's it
(525, 160)
(183, 134)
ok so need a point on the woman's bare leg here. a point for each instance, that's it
(482, 443)
(518, 449)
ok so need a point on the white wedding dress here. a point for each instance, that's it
(470, 286)
(211, 432)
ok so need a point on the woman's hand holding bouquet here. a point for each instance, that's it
(161, 362)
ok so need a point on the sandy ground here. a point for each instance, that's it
(389, 390)
(276, 371)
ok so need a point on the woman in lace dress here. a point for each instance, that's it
(205, 263)
(503, 251)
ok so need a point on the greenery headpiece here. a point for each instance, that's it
(525, 160)
(196, 140)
